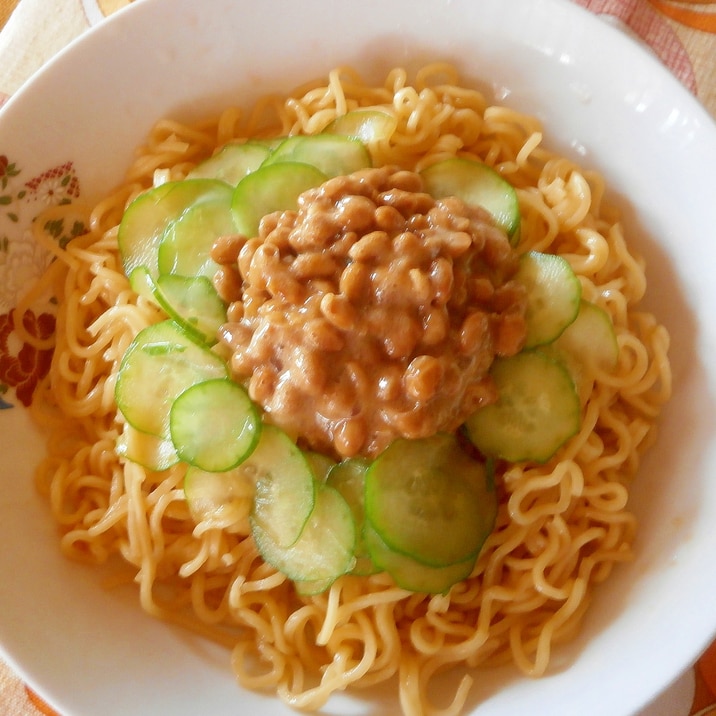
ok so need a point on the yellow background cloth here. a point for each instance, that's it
(681, 32)
(35, 30)
(6, 8)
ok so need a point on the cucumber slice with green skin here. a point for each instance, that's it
(149, 451)
(192, 302)
(332, 154)
(554, 295)
(285, 487)
(214, 425)
(308, 588)
(429, 500)
(232, 162)
(537, 410)
(364, 125)
(323, 551)
(410, 574)
(161, 363)
(144, 221)
(348, 477)
(147, 217)
(143, 284)
(275, 187)
(218, 496)
(321, 465)
(587, 347)
(185, 247)
(591, 338)
(476, 184)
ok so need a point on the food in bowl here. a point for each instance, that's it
(354, 383)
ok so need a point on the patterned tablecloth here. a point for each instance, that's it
(681, 32)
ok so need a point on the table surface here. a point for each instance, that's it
(681, 32)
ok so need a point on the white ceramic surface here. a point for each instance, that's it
(601, 97)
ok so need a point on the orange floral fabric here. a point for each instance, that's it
(698, 19)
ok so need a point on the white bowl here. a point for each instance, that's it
(602, 98)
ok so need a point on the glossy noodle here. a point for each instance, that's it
(561, 527)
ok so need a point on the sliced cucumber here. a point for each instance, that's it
(214, 425)
(410, 574)
(193, 302)
(232, 162)
(323, 551)
(285, 487)
(185, 246)
(320, 464)
(587, 347)
(332, 154)
(477, 184)
(553, 296)
(144, 221)
(275, 187)
(147, 217)
(147, 450)
(309, 588)
(364, 125)
(218, 496)
(348, 477)
(536, 412)
(429, 500)
(591, 338)
(161, 363)
(143, 284)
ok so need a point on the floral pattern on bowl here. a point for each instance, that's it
(22, 261)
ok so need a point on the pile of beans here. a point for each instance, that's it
(373, 311)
